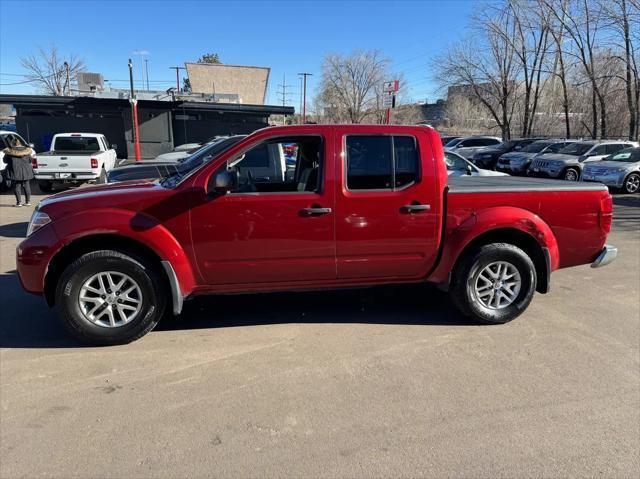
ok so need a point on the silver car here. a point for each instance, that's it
(568, 163)
(517, 162)
(621, 170)
(469, 145)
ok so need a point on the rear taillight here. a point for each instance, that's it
(34, 163)
(94, 162)
(605, 215)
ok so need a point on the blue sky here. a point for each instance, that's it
(289, 37)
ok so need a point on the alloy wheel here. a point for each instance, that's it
(498, 285)
(110, 299)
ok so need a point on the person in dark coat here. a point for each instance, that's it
(19, 171)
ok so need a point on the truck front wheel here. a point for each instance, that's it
(107, 297)
(495, 284)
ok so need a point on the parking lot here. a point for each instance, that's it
(367, 383)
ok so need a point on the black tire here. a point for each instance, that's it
(469, 268)
(102, 179)
(147, 277)
(631, 183)
(45, 186)
(571, 174)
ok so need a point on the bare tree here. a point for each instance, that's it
(583, 23)
(624, 18)
(530, 45)
(51, 71)
(349, 86)
(486, 66)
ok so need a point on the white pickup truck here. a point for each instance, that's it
(74, 158)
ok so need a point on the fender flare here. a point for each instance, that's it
(479, 223)
(133, 226)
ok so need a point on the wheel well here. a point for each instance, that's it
(84, 245)
(522, 240)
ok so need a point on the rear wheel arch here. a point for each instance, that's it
(515, 237)
(77, 248)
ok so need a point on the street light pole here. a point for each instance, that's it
(304, 96)
(146, 71)
(134, 114)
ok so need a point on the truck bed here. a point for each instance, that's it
(515, 184)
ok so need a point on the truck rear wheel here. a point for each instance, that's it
(108, 297)
(495, 284)
(45, 186)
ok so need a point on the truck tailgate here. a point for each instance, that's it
(63, 164)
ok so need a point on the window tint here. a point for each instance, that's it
(614, 148)
(16, 140)
(257, 157)
(284, 165)
(454, 162)
(488, 141)
(73, 143)
(371, 161)
(600, 150)
(406, 160)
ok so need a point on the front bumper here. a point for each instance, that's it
(616, 181)
(606, 256)
(545, 172)
(68, 176)
(512, 168)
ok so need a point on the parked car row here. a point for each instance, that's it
(551, 158)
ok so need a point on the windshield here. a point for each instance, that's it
(453, 143)
(630, 155)
(536, 146)
(576, 149)
(199, 158)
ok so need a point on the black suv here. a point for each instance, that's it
(488, 158)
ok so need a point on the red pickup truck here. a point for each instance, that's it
(362, 206)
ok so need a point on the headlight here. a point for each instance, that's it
(556, 163)
(38, 220)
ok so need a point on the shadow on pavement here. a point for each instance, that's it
(401, 304)
(626, 212)
(28, 322)
(14, 230)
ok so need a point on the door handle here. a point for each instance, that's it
(314, 211)
(415, 208)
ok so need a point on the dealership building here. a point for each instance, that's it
(163, 124)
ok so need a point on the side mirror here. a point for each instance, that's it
(223, 182)
(469, 170)
(32, 146)
(114, 147)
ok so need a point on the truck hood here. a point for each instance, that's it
(559, 157)
(516, 155)
(127, 190)
(614, 164)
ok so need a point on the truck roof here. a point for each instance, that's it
(93, 135)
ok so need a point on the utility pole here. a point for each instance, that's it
(177, 69)
(134, 113)
(67, 85)
(146, 71)
(283, 95)
(304, 96)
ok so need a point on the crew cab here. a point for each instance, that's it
(365, 205)
(74, 158)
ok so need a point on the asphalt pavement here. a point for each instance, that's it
(371, 383)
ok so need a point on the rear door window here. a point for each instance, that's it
(378, 162)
